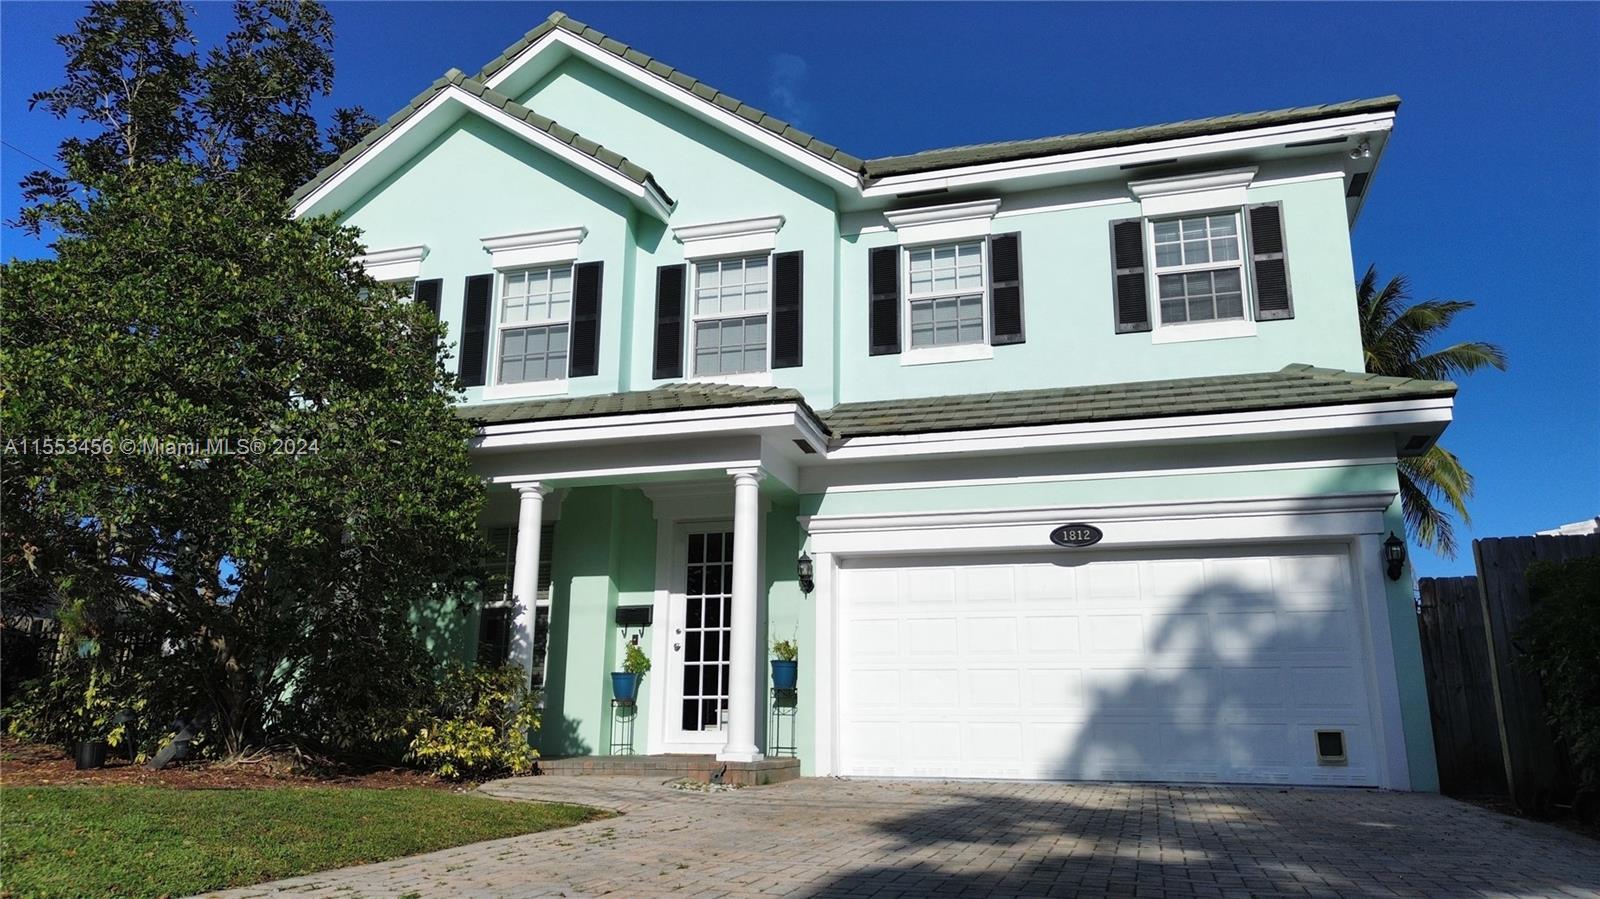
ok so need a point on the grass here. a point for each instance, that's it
(158, 841)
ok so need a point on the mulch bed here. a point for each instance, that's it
(32, 764)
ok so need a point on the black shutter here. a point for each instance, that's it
(475, 330)
(669, 321)
(426, 294)
(1005, 289)
(788, 288)
(585, 350)
(1269, 263)
(1132, 300)
(883, 303)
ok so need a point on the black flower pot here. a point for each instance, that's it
(90, 754)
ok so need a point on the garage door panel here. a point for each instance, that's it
(1182, 668)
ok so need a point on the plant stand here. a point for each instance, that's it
(623, 714)
(781, 737)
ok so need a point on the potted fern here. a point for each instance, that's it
(625, 683)
(785, 664)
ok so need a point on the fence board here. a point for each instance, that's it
(1455, 660)
(1537, 770)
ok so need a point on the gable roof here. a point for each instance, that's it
(1007, 151)
(456, 79)
(809, 143)
(1293, 387)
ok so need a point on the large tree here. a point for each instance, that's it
(230, 456)
(1398, 336)
(149, 94)
(263, 471)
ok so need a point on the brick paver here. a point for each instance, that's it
(884, 839)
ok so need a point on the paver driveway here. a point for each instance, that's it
(883, 839)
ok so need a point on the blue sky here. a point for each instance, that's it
(1490, 190)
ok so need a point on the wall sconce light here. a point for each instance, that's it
(1394, 555)
(806, 573)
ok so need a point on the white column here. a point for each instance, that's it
(746, 649)
(525, 572)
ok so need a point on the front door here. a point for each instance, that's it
(702, 598)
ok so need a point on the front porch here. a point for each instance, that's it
(682, 545)
(701, 768)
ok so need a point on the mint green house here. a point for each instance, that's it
(1054, 456)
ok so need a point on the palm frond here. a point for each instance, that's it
(1460, 359)
(1428, 525)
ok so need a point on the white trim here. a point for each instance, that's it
(1339, 174)
(1186, 332)
(761, 377)
(535, 248)
(825, 671)
(646, 197)
(1430, 415)
(661, 87)
(520, 389)
(745, 237)
(746, 379)
(954, 221)
(398, 264)
(1081, 162)
(1193, 193)
(1366, 556)
(817, 480)
(1061, 207)
(956, 352)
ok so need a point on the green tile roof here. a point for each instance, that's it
(699, 88)
(1006, 151)
(1294, 386)
(609, 158)
(666, 398)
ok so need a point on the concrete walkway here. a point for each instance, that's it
(837, 838)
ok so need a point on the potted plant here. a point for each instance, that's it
(625, 683)
(785, 665)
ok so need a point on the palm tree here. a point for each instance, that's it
(1396, 334)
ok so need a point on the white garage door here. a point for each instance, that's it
(1172, 667)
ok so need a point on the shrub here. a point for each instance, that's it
(481, 725)
(635, 661)
(1562, 641)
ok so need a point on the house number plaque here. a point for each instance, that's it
(1076, 535)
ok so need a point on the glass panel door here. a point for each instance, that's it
(708, 601)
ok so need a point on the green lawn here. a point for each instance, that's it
(156, 841)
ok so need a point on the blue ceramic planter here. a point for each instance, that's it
(785, 674)
(625, 686)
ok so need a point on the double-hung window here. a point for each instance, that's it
(535, 320)
(946, 294)
(1199, 269)
(731, 302)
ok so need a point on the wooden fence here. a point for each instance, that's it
(1487, 703)
(1455, 658)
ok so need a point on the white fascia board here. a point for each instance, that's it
(648, 199)
(655, 84)
(647, 426)
(535, 247)
(758, 235)
(1425, 415)
(1116, 157)
(397, 264)
(953, 221)
(1274, 519)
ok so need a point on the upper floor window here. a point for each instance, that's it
(534, 323)
(731, 302)
(1199, 270)
(946, 294)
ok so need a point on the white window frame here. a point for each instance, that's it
(1186, 331)
(495, 388)
(761, 378)
(960, 352)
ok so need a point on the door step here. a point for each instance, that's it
(702, 768)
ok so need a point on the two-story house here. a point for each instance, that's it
(1054, 456)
